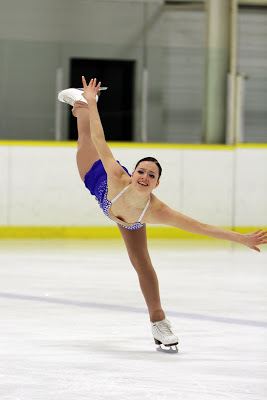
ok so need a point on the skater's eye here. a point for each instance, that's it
(141, 172)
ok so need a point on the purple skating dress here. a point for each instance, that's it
(96, 181)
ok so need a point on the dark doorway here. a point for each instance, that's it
(116, 104)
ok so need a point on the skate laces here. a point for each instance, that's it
(164, 327)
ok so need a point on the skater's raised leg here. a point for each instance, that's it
(86, 151)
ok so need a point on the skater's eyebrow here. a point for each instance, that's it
(149, 170)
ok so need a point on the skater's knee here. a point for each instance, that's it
(84, 142)
(140, 262)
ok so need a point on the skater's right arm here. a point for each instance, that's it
(111, 166)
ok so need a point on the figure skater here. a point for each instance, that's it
(129, 201)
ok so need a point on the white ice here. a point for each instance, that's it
(74, 324)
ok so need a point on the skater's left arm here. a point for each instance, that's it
(163, 214)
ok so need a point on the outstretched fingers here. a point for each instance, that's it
(261, 236)
(92, 84)
(263, 240)
(260, 232)
(84, 82)
(255, 239)
(98, 86)
(256, 248)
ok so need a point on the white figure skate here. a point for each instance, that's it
(164, 337)
(70, 96)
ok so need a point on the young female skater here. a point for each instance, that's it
(128, 200)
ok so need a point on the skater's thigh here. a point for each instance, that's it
(136, 243)
(87, 155)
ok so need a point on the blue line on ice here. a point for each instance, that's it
(116, 307)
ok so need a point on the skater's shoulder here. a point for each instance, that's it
(117, 184)
(155, 210)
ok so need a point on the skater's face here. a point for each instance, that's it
(146, 176)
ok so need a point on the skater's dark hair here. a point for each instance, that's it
(152, 159)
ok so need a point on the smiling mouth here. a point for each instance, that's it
(142, 184)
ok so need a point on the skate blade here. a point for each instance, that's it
(100, 89)
(172, 349)
(166, 348)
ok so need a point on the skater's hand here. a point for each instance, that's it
(91, 90)
(253, 240)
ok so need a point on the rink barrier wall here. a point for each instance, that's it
(131, 145)
(137, 145)
(41, 193)
(103, 232)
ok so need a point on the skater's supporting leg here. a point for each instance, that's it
(136, 243)
(86, 151)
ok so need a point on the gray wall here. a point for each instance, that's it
(253, 64)
(27, 89)
(182, 71)
(37, 37)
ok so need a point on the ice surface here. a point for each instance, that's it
(74, 324)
